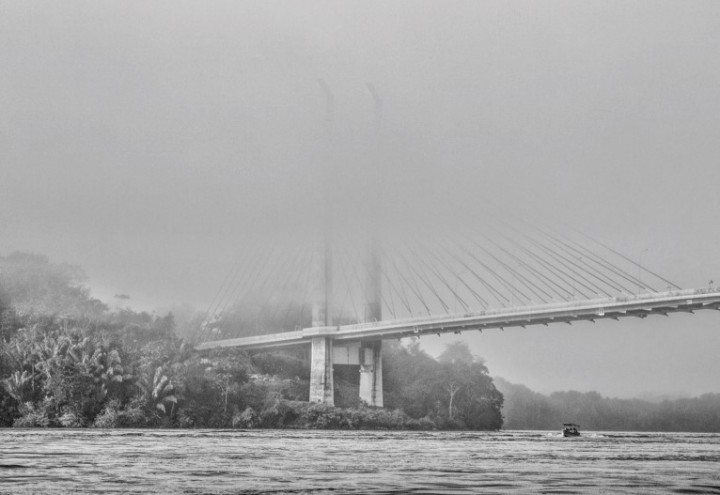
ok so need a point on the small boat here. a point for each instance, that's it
(570, 430)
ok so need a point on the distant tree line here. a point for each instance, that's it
(528, 410)
(67, 360)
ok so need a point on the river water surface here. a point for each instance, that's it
(292, 461)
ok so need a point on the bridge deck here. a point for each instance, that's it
(566, 312)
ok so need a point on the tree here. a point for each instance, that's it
(36, 287)
(17, 384)
(455, 353)
(157, 392)
(407, 371)
(451, 380)
(471, 397)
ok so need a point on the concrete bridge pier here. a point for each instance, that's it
(371, 385)
(321, 371)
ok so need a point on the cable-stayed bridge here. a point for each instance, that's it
(639, 306)
(344, 297)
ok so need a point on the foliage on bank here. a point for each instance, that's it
(67, 360)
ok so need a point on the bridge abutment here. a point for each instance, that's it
(321, 371)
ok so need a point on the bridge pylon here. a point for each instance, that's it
(321, 353)
(370, 354)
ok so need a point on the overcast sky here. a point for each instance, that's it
(148, 141)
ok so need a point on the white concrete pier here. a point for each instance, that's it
(371, 383)
(321, 371)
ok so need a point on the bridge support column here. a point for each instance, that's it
(371, 385)
(321, 371)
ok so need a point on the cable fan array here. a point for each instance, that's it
(272, 290)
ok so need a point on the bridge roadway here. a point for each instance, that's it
(639, 306)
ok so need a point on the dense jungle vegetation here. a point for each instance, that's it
(67, 360)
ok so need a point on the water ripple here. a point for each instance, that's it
(228, 462)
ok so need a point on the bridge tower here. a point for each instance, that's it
(370, 356)
(321, 355)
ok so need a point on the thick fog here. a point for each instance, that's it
(152, 142)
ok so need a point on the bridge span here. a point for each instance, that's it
(360, 343)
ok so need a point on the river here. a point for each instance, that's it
(60, 461)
